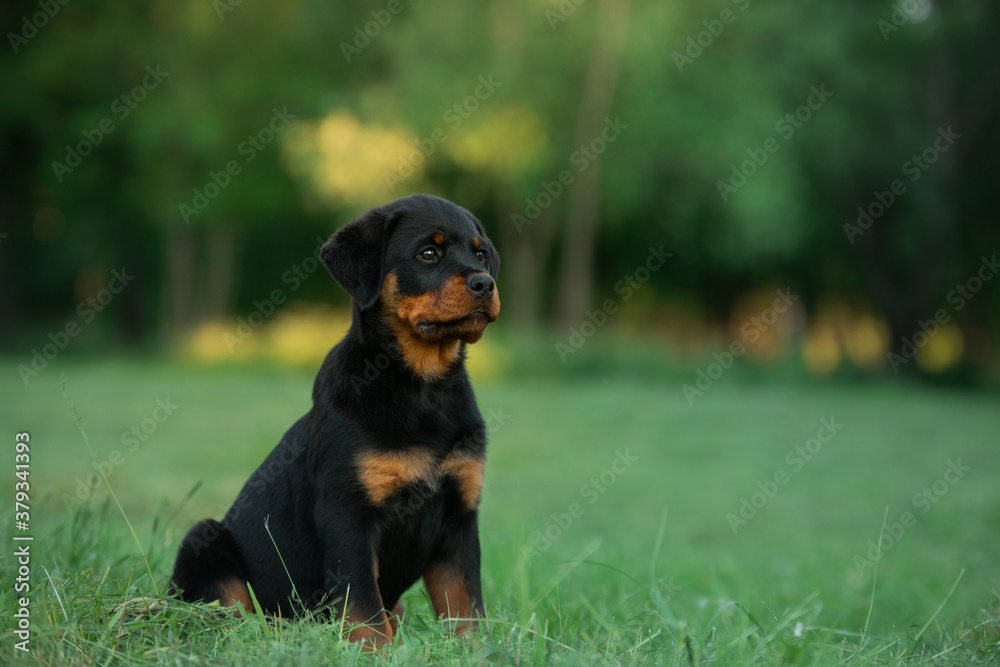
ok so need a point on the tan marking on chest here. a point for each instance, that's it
(467, 470)
(382, 474)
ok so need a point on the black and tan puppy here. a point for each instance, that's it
(378, 484)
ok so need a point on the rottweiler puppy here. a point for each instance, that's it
(379, 483)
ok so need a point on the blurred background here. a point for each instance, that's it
(724, 226)
(207, 146)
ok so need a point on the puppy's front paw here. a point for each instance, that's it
(396, 617)
(374, 634)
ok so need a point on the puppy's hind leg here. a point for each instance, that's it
(209, 567)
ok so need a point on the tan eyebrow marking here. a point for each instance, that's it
(439, 239)
(475, 241)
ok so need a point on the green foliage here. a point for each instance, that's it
(689, 124)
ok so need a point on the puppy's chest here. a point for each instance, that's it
(386, 477)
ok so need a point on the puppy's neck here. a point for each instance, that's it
(426, 360)
(429, 361)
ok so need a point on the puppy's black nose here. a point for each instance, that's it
(480, 284)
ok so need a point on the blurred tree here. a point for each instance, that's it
(596, 107)
(374, 92)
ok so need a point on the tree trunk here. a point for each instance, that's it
(577, 269)
(220, 272)
(179, 284)
(526, 256)
(907, 290)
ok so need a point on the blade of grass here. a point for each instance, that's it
(597, 615)
(86, 440)
(613, 569)
(659, 543)
(180, 506)
(56, 591)
(259, 613)
(878, 557)
(295, 592)
(566, 569)
(940, 607)
(690, 650)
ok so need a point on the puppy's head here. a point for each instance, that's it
(429, 268)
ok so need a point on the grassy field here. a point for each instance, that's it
(611, 521)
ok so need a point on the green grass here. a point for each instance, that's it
(649, 571)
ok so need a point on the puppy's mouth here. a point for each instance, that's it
(468, 328)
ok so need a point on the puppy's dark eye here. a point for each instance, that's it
(429, 254)
(481, 256)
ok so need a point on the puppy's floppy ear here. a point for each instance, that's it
(355, 255)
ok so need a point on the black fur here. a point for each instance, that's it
(326, 526)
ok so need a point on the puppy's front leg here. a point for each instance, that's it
(351, 580)
(452, 576)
